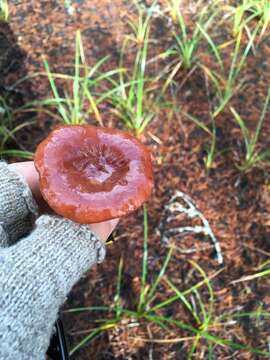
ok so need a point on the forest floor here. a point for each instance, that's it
(236, 204)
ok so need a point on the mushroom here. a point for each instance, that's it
(90, 174)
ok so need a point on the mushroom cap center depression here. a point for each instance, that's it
(95, 168)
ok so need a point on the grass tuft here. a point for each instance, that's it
(132, 99)
(199, 304)
(8, 130)
(253, 156)
(248, 11)
(186, 42)
(84, 92)
(228, 83)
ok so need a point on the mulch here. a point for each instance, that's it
(236, 205)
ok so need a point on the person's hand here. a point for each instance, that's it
(39, 263)
(29, 172)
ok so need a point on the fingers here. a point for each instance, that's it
(104, 229)
(28, 171)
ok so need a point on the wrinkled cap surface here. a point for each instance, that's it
(90, 174)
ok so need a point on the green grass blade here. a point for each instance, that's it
(183, 299)
(95, 68)
(88, 308)
(185, 292)
(209, 337)
(61, 109)
(209, 286)
(4, 10)
(145, 259)
(153, 288)
(244, 129)
(86, 340)
(10, 133)
(17, 153)
(197, 122)
(76, 84)
(193, 348)
(263, 156)
(261, 120)
(213, 47)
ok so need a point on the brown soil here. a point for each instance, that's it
(236, 205)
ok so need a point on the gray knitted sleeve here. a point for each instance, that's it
(37, 272)
(18, 209)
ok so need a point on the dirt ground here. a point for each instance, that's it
(236, 205)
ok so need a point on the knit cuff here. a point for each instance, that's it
(36, 275)
(18, 209)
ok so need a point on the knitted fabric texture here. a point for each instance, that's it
(18, 209)
(37, 272)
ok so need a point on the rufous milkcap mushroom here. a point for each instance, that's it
(90, 174)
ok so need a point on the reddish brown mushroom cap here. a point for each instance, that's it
(90, 174)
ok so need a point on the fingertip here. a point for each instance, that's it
(104, 229)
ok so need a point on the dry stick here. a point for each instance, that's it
(251, 277)
(163, 341)
(256, 249)
(192, 212)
